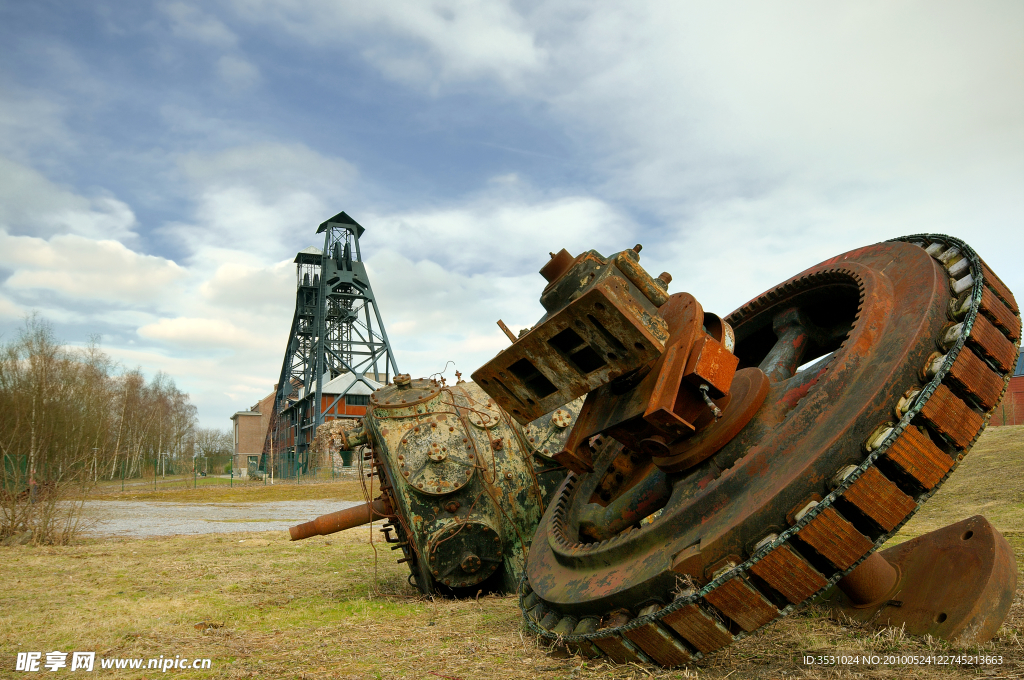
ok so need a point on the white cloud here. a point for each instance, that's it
(30, 119)
(237, 73)
(81, 268)
(737, 98)
(416, 42)
(31, 203)
(191, 23)
(239, 286)
(200, 333)
(739, 142)
(10, 309)
(501, 235)
(434, 314)
(260, 199)
(272, 168)
(758, 139)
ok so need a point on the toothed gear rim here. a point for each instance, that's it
(617, 639)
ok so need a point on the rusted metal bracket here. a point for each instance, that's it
(956, 583)
(602, 322)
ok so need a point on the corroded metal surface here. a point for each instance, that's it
(339, 521)
(706, 550)
(957, 583)
(602, 322)
(462, 485)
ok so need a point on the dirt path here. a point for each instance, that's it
(138, 519)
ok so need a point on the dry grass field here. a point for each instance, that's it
(339, 607)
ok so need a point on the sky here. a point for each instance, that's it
(162, 162)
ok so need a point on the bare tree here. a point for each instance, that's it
(69, 418)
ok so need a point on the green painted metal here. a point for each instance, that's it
(336, 329)
(466, 484)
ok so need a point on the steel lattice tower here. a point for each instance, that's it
(336, 329)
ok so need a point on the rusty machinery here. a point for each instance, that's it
(725, 472)
(462, 485)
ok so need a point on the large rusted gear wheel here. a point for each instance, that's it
(906, 348)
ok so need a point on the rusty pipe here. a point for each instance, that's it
(339, 521)
(871, 582)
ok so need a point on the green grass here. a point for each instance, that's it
(218, 491)
(324, 608)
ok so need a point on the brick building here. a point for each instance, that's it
(250, 431)
(342, 397)
(1011, 410)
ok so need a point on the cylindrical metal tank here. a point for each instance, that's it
(461, 484)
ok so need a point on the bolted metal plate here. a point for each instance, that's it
(452, 465)
(463, 554)
(434, 456)
(547, 435)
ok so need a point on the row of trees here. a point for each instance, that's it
(72, 417)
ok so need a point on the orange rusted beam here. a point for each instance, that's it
(339, 521)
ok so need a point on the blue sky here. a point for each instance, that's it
(161, 162)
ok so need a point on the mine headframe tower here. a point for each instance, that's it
(336, 330)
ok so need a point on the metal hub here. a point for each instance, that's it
(859, 385)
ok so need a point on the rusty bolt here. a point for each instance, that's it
(497, 444)
(561, 418)
(665, 277)
(452, 506)
(508, 475)
(470, 564)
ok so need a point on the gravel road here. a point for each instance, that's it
(137, 519)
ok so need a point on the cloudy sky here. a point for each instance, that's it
(162, 162)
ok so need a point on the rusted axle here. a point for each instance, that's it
(339, 521)
(957, 583)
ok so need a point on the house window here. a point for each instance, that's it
(358, 400)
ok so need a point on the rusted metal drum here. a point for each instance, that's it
(460, 484)
(860, 385)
